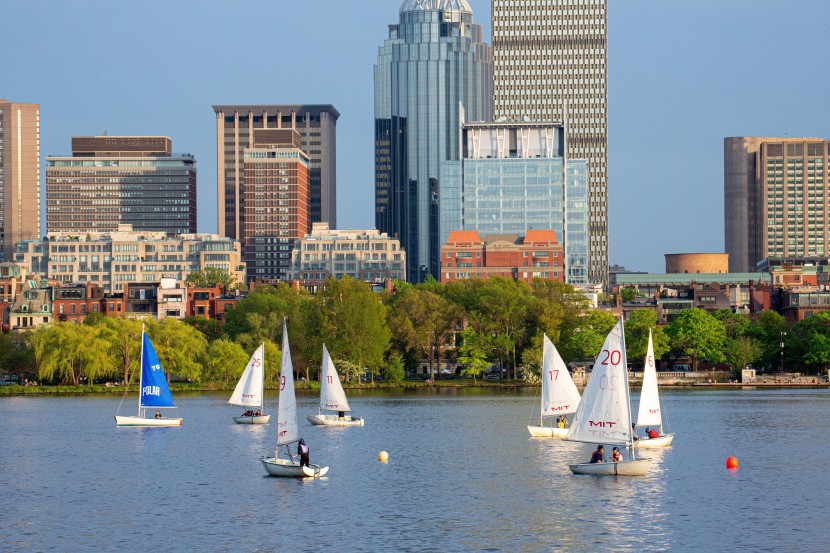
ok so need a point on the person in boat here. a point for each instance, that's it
(258, 413)
(598, 456)
(341, 415)
(634, 435)
(248, 413)
(302, 451)
(652, 433)
(158, 414)
(616, 456)
(561, 421)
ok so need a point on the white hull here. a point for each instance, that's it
(334, 420)
(547, 432)
(262, 419)
(284, 467)
(141, 421)
(654, 443)
(637, 467)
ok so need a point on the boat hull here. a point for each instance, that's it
(285, 467)
(334, 420)
(141, 421)
(547, 432)
(654, 443)
(637, 467)
(261, 419)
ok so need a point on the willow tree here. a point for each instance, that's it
(179, 347)
(72, 352)
(224, 360)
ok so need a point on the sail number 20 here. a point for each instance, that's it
(612, 357)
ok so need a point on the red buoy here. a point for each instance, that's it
(732, 463)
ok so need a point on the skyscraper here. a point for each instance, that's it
(775, 200)
(19, 175)
(550, 64)
(114, 180)
(434, 65)
(235, 125)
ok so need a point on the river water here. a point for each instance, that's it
(463, 475)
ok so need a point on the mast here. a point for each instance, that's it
(262, 383)
(627, 393)
(141, 370)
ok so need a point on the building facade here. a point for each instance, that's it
(432, 72)
(114, 180)
(697, 263)
(775, 200)
(550, 63)
(235, 131)
(19, 175)
(115, 259)
(365, 255)
(513, 178)
(538, 254)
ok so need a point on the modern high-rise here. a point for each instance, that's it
(550, 64)
(113, 180)
(19, 175)
(776, 204)
(235, 126)
(434, 68)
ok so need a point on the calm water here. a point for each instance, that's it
(463, 475)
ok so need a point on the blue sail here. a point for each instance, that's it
(154, 389)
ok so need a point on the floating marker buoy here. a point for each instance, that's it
(383, 456)
(732, 463)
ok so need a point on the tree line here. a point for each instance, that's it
(474, 324)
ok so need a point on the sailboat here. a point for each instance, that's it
(332, 398)
(604, 413)
(287, 430)
(559, 393)
(648, 413)
(153, 391)
(249, 391)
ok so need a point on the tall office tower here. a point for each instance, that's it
(19, 175)
(775, 200)
(276, 211)
(550, 64)
(113, 180)
(235, 125)
(434, 66)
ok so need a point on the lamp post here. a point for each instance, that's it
(782, 351)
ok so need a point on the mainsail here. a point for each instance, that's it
(248, 391)
(154, 389)
(332, 396)
(648, 413)
(287, 430)
(559, 393)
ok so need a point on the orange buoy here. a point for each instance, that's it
(732, 463)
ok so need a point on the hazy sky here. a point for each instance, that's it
(682, 76)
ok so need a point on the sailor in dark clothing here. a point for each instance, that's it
(302, 450)
(598, 456)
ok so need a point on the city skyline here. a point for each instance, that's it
(682, 77)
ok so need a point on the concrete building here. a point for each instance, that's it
(114, 180)
(536, 255)
(19, 175)
(365, 255)
(775, 200)
(550, 63)
(432, 72)
(512, 178)
(697, 263)
(115, 259)
(235, 130)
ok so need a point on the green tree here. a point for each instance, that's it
(555, 306)
(742, 351)
(179, 347)
(628, 294)
(808, 343)
(124, 338)
(585, 341)
(212, 276)
(472, 353)
(698, 335)
(224, 360)
(72, 352)
(636, 336)
(210, 328)
(395, 370)
(767, 330)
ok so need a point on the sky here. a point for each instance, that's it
(682, 76)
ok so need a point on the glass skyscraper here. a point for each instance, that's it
(433, 71)
(513, 177)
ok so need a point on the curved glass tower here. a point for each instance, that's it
(433, 71)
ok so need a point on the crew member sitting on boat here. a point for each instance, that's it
(341, 415)
(302, 451)
(258, 413)
(617, 456)
(248, 413)
(158, 414)
(598, 456)
(561, 421)
(634, 435)
(652, 433)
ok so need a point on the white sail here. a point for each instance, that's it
(559, 393)
(248, 391)
(332, 396)
(287, 430)
(648, 413)
(604, 413)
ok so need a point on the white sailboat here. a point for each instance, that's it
(153, 391)
(249, 391)
(559, 393)
(604, 413)
(332, 398)
(287, 430)
(648, 413)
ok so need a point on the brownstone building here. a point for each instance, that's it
(74, 302)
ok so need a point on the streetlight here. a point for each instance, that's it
(782, 351)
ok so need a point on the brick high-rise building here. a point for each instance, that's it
(113, 180)
(19, 175)
(550, 63)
